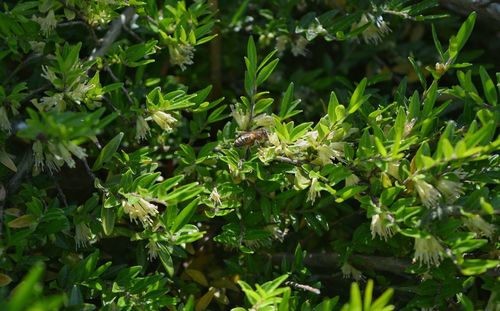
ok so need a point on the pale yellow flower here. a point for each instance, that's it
(181, 54)
(377, 29)
(281, 42)
(428, 251)
(429, 196)
(240, 117)
(299, 46)
(382, 225)
(140, 209)
(153, 248)
(478, 225)
(215, 197)
(47, 23)
(314, 190)
(141, 128)
(82, 235)
(349, 271)
(38, 154)
(77, 151)
(351, 180)
(164, 120)
(450, 189)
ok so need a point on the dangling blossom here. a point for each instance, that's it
(314, 190)
(351, 180)
(349, 271)
(478, 225)
(164, 120)
(299, 46)
(47, 23)
(181, 54)
(77, 151)
(82, 235)
(428, 194)
(140, 209)
(377, 29)
(153, 248)
(141, 128)
(281, 42)
(428, 251)
(382, 225)
(450, 189)
(239, 116)
(215, 197)
(38, 155)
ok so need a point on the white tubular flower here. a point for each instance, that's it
(164, 120)
(281, 43)
(450, 189)
(428, 194)
(267, 154)
(382, 225)
(181, 55)
(428, 251)
(240, 117)
(215, 197)
(349, 271)
(4, 120)
(299, 46)
(65, 155)
(141, 128)
(325, 154)
(263, 120)
(38, 154)
(314, 190)
(351, 180)
(377, 29)
(140, 209)
(77, 151)
(82, 235)
(47, 23)
(153, 248)
(478, 225)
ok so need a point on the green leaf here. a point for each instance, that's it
(265, 72)
(457, 42)
(488, 87)
(418, 71)
(7, 161)
(27, 290)
(437, 44)
(355, 303)
(357, 97)
(108, 219)
(108, 151)
(185, 215)
(252, 56)
(166, 260)
(477, 266)
(333, 103)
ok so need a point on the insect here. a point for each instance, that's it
(249, 138)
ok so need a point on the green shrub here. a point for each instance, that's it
(152, 161)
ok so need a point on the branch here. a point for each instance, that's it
(326, 260)
(113, 33)
(488, 11)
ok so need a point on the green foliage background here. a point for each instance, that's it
(171, 155)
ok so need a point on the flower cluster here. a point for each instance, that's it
(139, 209)
(428, 251)
(55, 155)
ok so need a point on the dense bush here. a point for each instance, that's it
(170, 155)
